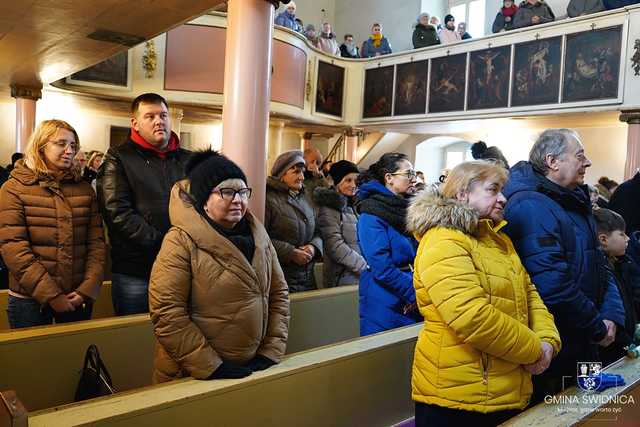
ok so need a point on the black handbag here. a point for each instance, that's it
(95, 380)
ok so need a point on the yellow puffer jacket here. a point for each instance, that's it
(483, 318)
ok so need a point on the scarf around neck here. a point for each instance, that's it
(377, 39)
(391, 208)
(509, 11)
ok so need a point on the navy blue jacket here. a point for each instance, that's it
(554, 233)
(384, 289)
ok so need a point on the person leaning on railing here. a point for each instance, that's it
(217, 296)
(486, 329)
(50, 232)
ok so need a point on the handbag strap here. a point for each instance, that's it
(94, 361)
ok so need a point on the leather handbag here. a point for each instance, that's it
(95, 380)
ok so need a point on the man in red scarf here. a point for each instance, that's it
(504, 18)
(133, 186)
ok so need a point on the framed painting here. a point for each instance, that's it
(378, 92)
(489, 78)
(447, 83)
(411, 88)
(113, 72)
(329, 89)
(592, 65)
(536, 71)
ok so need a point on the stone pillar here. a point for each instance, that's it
(632, 163)
(26, 98)
(306, 141)
(351, 145)
(247, 86)
(176, 115)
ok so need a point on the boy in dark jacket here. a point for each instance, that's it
(613, 241)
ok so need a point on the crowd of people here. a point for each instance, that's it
(427, 30)
(515, 271)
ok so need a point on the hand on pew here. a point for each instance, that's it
(229, 370)
(260, 363)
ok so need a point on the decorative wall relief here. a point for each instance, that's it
(536, 72)
(411, 88)
(592, 65)
(149, 59)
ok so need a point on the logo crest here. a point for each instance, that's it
(589, 375)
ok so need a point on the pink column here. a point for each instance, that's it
(247, 84)
(632, 118)
(26, 98)
(351, 144)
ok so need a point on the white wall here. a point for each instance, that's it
(397, 19)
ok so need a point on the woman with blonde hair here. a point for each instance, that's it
(90, 172)
(486, 330)
(50, 232)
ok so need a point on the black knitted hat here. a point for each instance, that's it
(341, 169)
(206, 169)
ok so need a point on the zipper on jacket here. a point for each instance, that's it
(485, 368)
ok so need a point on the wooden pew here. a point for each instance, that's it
(103, 307)
(43, 364)
(364, 382)
(619, 406)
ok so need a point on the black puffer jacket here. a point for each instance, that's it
(133, 186)
(424, 36)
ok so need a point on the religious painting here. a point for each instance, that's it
(114, 72)
(378, 92)
(489, 78)
(536, 71)
(592, 65)
(330, 87)
(447, 85)
(411, 88)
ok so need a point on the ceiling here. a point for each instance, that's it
(45, 40)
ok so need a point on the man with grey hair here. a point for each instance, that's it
(551, 225)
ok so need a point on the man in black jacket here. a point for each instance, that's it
(624, 201)
(133, 186)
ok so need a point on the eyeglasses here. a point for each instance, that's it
(409, 174)
(229, 194)
(62, 144)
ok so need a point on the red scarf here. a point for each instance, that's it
(174, 143)
(509, 11)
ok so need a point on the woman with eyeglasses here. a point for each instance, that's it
(387, 298)
(291, 222)
(217, 296)
(50, 232)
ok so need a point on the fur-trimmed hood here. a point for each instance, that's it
(431, 209)
(330, 198)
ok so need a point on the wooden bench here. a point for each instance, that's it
(43, 364)
(364, 382)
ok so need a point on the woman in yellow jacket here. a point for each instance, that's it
(486, 330)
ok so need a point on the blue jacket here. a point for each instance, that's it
(554, 233)
(285, 19)
(369, 50)
(384, 289)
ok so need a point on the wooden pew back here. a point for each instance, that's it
(43, 364)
